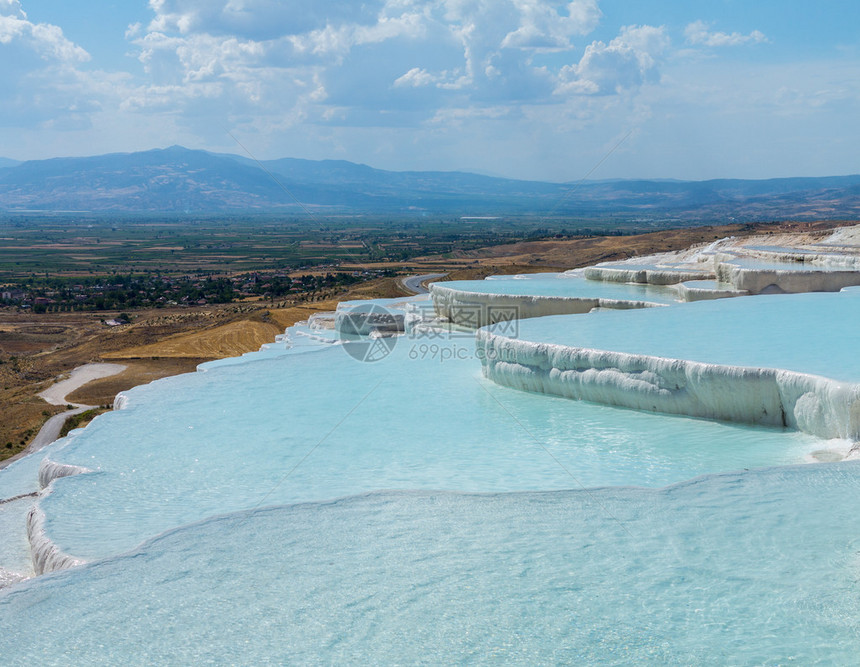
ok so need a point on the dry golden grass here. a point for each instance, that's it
(287, 317)
(227, 340)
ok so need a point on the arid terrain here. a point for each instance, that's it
(35, 349)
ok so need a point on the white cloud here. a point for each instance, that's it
(12, 8)
(257, 19)
(416, 77)
(48, 41)
(365, 51)
(698, 34)
(625, 63)
(42, 83)
(382, 57)
(341, 67)
(542, 26)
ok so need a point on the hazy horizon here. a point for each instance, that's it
(592, 179)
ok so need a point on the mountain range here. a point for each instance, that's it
(178, 180)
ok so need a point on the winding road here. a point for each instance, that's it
(56, 395)
(414, 283)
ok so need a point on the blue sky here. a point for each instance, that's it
(524, 88)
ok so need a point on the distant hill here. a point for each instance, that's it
(179, 180)
(7, 162)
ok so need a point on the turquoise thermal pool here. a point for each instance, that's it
(297, 505)
(752, 568)
(235, 437)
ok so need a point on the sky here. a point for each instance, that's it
(532, 89)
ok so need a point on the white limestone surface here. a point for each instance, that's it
(811, 404)
(476, 309)
(701, 290)
(648, 275)
(772, 263)
(781, 361)
(47, 556)
(789, 278)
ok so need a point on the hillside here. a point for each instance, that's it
(179, 181)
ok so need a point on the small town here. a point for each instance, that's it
(47, 294)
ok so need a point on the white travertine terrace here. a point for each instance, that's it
(321, 321)
(788, 264)
(47, 556)
(806, 277)
(702, 290)
(49, 471)
(727, 267)
(478, 309)
(809, 403)
(813, 404)
(715, 532)
(644, 275)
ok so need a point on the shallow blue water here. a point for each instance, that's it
(811, 333)
(22, 476)
(751, 568)
(14, 548)
(757, 568)
(566, 285)
(530, 276)
(20, 479)
(299, 427)
(666, 268)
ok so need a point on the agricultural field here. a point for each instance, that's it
(86, 247)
